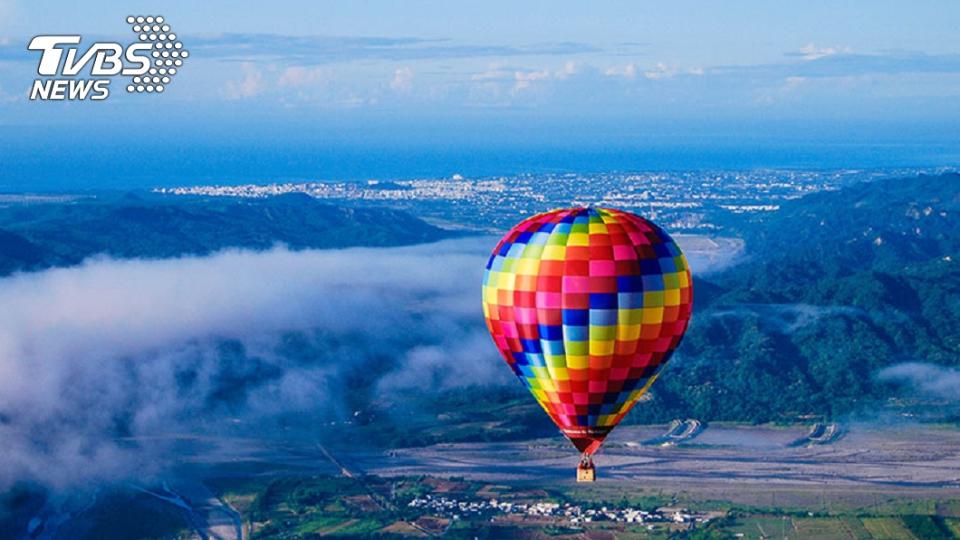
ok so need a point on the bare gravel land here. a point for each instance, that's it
(747, 464)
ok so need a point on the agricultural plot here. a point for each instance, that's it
(828, 529)
(887, 528)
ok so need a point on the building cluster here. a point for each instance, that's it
(688, 201)
(371, 190)
(455, 509)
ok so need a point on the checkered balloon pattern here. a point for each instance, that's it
(586, 305)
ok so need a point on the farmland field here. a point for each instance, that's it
(887, 529)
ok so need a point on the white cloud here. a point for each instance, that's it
(569, 68)
(792, 83)
(811, 52)
(927, 379)
(523, 79)
(629, 71)
(402, 80)
(660, 71)
(791, 86)
(299, 76)
(494, 72)
(251, 85)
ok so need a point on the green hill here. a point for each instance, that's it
(837, 286)
(35, 236)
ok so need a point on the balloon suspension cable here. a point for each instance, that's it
(586, 461)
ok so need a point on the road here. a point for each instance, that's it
(383, 503)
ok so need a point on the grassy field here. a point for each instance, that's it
(855, 528)
(321, 523)
(757, 527)
(887, 528)
(829, 528)
(954, 526)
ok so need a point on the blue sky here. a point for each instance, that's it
(557, 73)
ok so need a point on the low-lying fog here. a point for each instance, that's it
(95, 355)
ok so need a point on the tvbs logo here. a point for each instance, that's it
(68, 73)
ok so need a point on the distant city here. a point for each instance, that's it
(686, 202)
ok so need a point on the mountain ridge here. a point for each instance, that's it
(38, 236)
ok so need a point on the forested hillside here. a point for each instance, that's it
(836, 286)
(42, 235)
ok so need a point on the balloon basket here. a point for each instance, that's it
(586, 472)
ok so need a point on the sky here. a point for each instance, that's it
(378, 89)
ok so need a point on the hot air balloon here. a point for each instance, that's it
(586, 305)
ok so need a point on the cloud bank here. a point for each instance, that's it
(312, 50)
(788, 318)
(930, 380)
(95, 357)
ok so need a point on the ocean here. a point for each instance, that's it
(33, 161)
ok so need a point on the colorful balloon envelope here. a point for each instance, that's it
(586, 306)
